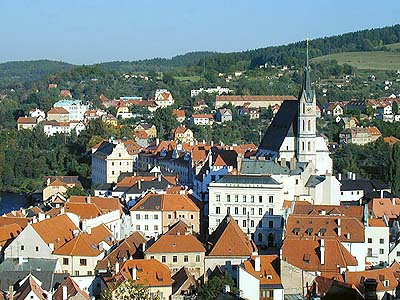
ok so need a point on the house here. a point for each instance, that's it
(30, 289)
(150, 273)
(252, 112)
(255, 202)
(179, 115)
(58, 185)
(37, 113)
(123, 110)
(333, 109)
(202, 119)
(151, 130)
(184, 284)
(153, 214)
(64, 94)
(75, 107)
(253, 101)
(7, 234)
(163, 98)
(328, 288)
(227, 246)
(111, 158)
(377, 238)
(70, 290)
(41, 239)
(93, 114)
(182, 134)
(58, 114)
(349, 122)
(80, 254)
(258, 278)
(224, 115)
(391, 140)
(218, 90)
(179, 250)
(109, 119)
(360, 135)
(26, 123)
(200, 105)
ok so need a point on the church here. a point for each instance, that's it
(293, 132)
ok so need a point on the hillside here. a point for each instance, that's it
(369, 60)
(27, 71)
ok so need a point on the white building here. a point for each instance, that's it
(36, 113)
(76, 108)
(377, 242)
(202, 119)
(217, 90)
(163, 98)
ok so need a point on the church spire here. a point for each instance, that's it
(307, 78)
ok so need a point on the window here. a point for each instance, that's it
(217, 210)
(260, 211)
(252, 211)
(186, 258)
(244, 210)
(137, 216)
(146, 216)
(197, 258)
(218, 221)
(381, 251)
(271, 224)
(155, 227)
(112, 172)
(146, 227)
(169, 216)
(37, 249)
(381, 241)
(252, 223)
(398, 253)
(297, 181)
(156, 217)
(369, 240)
(119, 154)
(228, 198)
(83, 262)
(112, 163)
(309, 146)
(236, 210)
(271, 199)
(76, 273)
(302, 146)
(271, 211)
(89, 273)
(163, 258)
(236, 198)
(228, 210)
(175, 258)
(244, 198)
(152, 257)
(309, 125)
(244, 223)
(65, 261)
(212, 177)
(218, 197)
(191, 217)
(260, 199)
(369, 252)
(138, 227)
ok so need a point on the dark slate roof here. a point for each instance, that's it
(367, 185)
(254, 166)
(152, 203)
(105, 149)
(146, 185)
(247, 179)
(12, 272)
(284, 124)
(314, 180)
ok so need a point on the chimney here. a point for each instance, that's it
(139, 184)
(283, 162)
(134, 271)
(293, 164)
(322, 250)
(159, 177)
(117, 267)
(21, 260)
(381, 192)
(49, 295)
(88, 199)
(257, 264)
(339, 176)
(370, 285)
(393, 201)
(64, 292)
(41, 217)
(157, 142)
(89, 230)
(239, 159)
(353, 176)
(212, 143)
(11, 292)
(339, 229)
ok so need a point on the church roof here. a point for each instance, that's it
(284, 124)
(258, 167)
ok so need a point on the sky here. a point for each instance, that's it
(93, 31)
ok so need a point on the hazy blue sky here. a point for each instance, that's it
(89, 31)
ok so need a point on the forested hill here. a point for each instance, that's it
(25, 71)
(292, 54)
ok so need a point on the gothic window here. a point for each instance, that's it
(309, 125)
(309, 146)
(302, 146)
(304, 125)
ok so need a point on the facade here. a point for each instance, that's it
(377, 239)
(202, 119)
(251, 101)
(254, 201)
(163, 98)
(218, 90)
(224, 115)
(26, 123)
(58, 185)
(183, 134)
(76, 108)
(58, 114)
(360, 135)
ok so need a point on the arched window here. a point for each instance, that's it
(260, 237)
(302, 146)
(304, 125)
(309, 125)
(309, 146)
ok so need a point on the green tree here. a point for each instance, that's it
(215, 286)
(128, 290)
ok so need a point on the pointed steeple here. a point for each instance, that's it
(309, 94)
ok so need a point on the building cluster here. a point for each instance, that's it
(175, 215)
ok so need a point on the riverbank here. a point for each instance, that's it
(10, 201)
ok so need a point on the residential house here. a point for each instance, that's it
(37, 113)
(333, 109)
(377, 239)
(58, 185)
(7, 234)
(163, 98)
(151, 130)
(75, 107)
(27, 123)
(202, 119)
(227, 246)
(360, 135)
(184, 284)
(218, 90)
(224, 115)
(109, 119)
(349, 122)
(179, 115)
(70, 290)
(179, 250)
(64, 94)
(182, 134)
(254, 201)
(111, 158)
(150, 273)
(30, 289)
(253, 101)
(58, 114)
(153, 214)
(200, 105)
(252, 112)
(93, 114)
(123, 110)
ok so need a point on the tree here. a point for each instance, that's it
(395, 169)
(214, 286)
(128, 290)
(74, 191)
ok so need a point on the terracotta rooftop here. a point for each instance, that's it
(376, 223)
(385, 206)
(267, 274)
(103, 203)
(30, 285)
(179, 113)
(6, 220)
(9, 232)
(57, 110)
(306, 208)
(83, 210)
(233, 98)
(202, 116)
(149, 272)
(26, 120)
(73, 291)
(391, 140)
(176, 244)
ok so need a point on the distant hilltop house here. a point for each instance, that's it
(64, 94)
(163, 98)
(224, 115)
(360, 135)
(183, 134)
(333, 109)
(149, 129)
(58, 114)
(75, 107)
(217, 90)
(58, 185)
(51, 128)
(179, 115)
(202, 119)
(28, 122)
(252, 101)
(93, 114)
(200, 105)
(252, 112)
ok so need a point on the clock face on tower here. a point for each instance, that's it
(308, 109)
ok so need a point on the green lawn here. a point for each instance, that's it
(393, 46)
(372, 60)
(188, 78)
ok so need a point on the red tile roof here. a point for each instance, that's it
(267, 273)
(9, 232)
(178, 113)
(176, 244)
(26, 120)
(234, 98)
(83, 210)
(104, 204)
(57, 110)
(73, 290)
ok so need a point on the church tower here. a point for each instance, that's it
(307, 126)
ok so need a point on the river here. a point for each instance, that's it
(12, 201)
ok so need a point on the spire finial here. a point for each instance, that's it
(307, 42)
